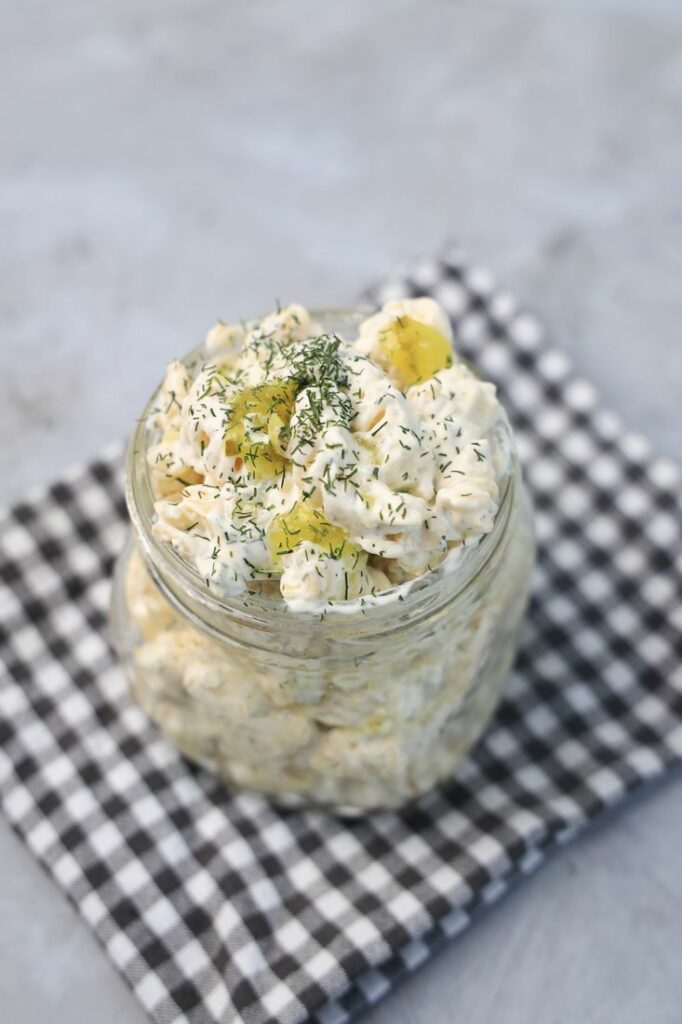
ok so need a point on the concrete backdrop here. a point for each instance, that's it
(166, 163)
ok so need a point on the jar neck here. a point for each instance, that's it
(264, 621)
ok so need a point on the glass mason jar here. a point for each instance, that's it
(348, 711)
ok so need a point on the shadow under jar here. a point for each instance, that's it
(359, 709)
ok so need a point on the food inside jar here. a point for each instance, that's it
(296, 470)
(332, 468)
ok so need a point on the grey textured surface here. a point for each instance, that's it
(165, 163)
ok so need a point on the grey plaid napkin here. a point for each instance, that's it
(219, 908)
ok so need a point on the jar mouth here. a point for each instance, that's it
(404, 601)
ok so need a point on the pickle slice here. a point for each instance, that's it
(413, 351)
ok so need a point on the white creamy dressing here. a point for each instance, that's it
(398, 479)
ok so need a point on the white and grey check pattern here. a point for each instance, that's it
(220, 908)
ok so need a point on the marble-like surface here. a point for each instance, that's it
(166, 163)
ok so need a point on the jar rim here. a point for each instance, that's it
(376, 612)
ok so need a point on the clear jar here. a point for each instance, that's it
(349, 711)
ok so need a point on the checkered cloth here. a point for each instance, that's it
(218, 908)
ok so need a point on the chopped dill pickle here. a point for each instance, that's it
(263, 409)
(301, 523)
(413, 351)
